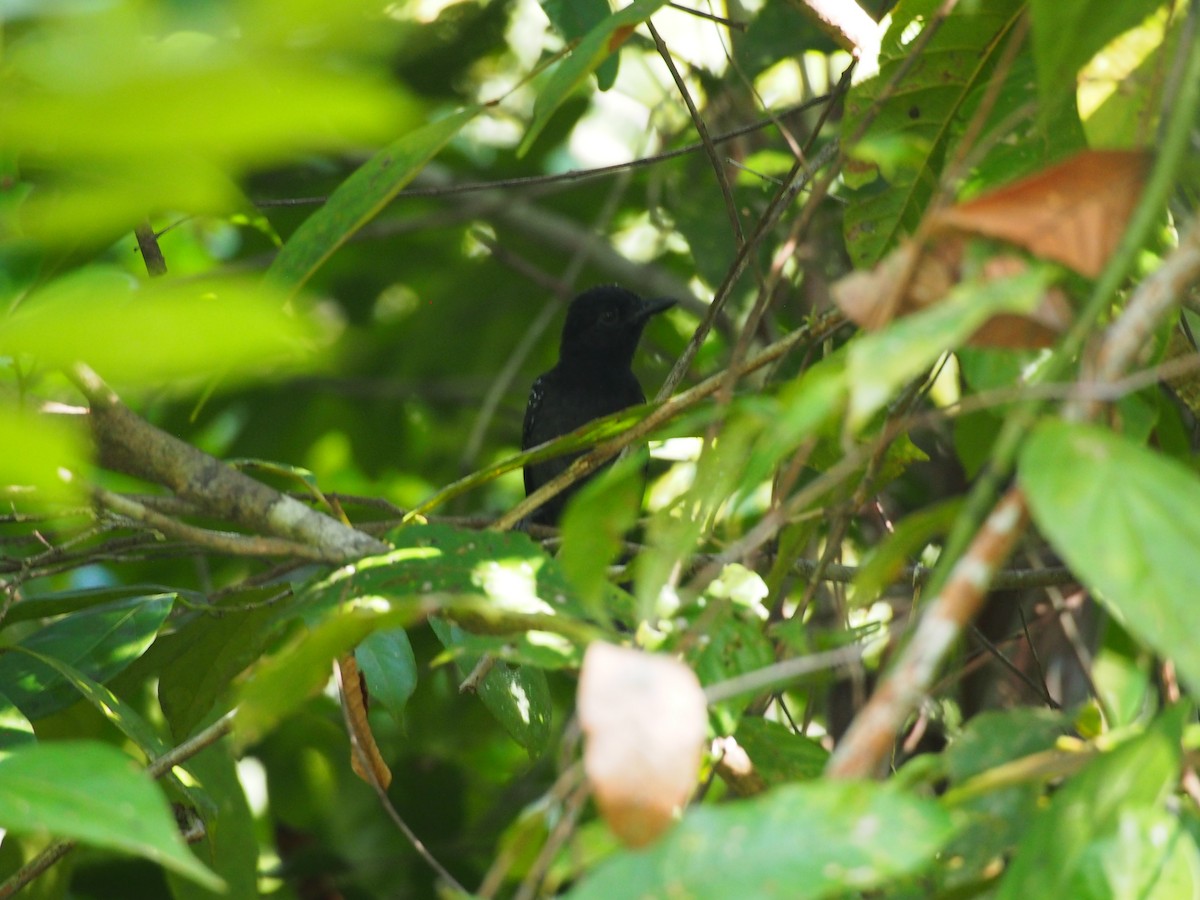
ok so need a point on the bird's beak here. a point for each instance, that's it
(653, 307)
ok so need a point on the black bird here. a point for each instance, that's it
(593, 378)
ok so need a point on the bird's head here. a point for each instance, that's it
(606, 323)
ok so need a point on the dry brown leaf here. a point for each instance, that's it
(644, 718)
(1073, 213)
(903, 283)
(354, 695)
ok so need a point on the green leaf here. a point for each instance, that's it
(386, 661)
(230, 843)
(204, 656)
(98, 643)
(820, 839)
(1069, 849)
(913, 127)
(508, 570)
(361, 196)
(281, 682)
(1091, 24)
(518, 697)
(879, 364)
(42, 454)
(1127, 521)
(159, 330)
(778, 753)
(573, 19)
(587, 55)
(108, 704)
(594, 526)
(93, 793)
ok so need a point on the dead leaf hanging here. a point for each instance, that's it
(1073, 213)
(644, 718)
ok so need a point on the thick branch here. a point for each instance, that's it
(127, 443)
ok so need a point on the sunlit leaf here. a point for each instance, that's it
(1127, 521)
(99, 643)
(278, 684)
(1070, 849)
(517, 696)
(814, 840)
(589, 53)
(917, 123)
(879, 364)
(93, 793)
(41, 454)
(361, 196)
(145, 333)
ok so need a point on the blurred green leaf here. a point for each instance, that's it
(1069, 849)
(880, 363)
(42, 454)
(920, 120)
(361, 196)
(127, 113)
(144, 334)
(1127, 521)
(573, 19)
(279, 683)
(1091, 24)
(386, 661)
(93, 793)
(585, 57)
(594, 526)
(820, 839)
(778, 753)
(98, 643)
(518, 697)
(204, 655)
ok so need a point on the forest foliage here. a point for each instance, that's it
(918, 555)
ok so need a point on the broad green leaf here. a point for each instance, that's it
(203, 657)
(230, 842)
(573, 19)
(161, 330)
(1089, 815)
(996, 815)
(125, 113)
(108, 704)
(778, 753)
(93, 793)
(386, 661)
(361, 196)
(281, 682)
(594, 527)
(99, 643)
(911, 130)
(587, 55)
(1127, 521)
(880, 363)
(1091, 24)
(821, 839)
(60, 603)
(493, 573)
(42, 454)
(518, 697)
(15, 729)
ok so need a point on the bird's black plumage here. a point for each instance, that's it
(593, 378)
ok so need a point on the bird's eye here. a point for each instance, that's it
(608, 316)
